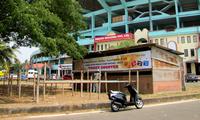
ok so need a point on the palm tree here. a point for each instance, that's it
(7, 54)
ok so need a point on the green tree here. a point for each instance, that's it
(6, 54)
(47, 24)
(17, 66)
(125, 44)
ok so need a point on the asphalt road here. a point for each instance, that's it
(187, 110)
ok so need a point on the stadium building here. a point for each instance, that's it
(171, 23)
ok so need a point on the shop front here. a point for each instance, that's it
(150, 67)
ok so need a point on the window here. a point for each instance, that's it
(192, 52)
(156, 41)
(188, 39)
(194, 38)
(87, 46)
(105, 46)
(62, 61)
(92, 47)
(162, 42)
(101, 47)
(182, 39)
(98, 47)
(186, 52)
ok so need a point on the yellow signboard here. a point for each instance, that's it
(1, 73)
(137, 60)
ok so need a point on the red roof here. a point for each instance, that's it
(36, 66)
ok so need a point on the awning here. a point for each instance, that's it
(37, 66)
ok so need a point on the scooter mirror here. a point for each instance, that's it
(128, 85)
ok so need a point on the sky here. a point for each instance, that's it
(25, 53)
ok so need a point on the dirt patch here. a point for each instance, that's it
(55, 96)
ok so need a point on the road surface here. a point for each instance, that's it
(185, 110)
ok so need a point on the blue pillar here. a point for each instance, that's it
(109, 21)
(126, 21)
(177, 14)
(49, 68)
(93, 25)
(199, 4)
(150, 16)
(78, 38)
(90, 48)
(58, 66)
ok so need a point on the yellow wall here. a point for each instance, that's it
(180, 46)
(109, 45)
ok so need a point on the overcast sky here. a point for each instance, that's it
(24, 53)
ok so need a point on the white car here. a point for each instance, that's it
(13, 76)
(31, 74)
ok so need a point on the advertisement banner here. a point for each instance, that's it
(113, 37)
(65, 67)
(137, 60)
(166, 57)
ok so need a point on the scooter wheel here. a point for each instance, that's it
(114, 107)
(139, 103)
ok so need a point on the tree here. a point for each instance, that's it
(125, 44)
(6, 54)
(48, 24)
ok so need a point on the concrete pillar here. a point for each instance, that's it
(126, 21)
(90, 47)
(150, 16)
(177, 14)
(109, 21)
(59, 68)
(93, 25)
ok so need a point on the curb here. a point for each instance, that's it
(64, 108)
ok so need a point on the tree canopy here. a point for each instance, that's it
(6, 54)
(47, 24)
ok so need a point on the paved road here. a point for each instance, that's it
(187, 110)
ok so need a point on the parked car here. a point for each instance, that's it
(191, 78)
(3, 78)
(13, 76)
(67, 77)
(31, 74)
(54, 76)
(23, 77)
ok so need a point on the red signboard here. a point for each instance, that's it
(114, 37)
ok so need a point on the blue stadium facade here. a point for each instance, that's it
(126, 16)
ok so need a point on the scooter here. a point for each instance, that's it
(119, 100)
